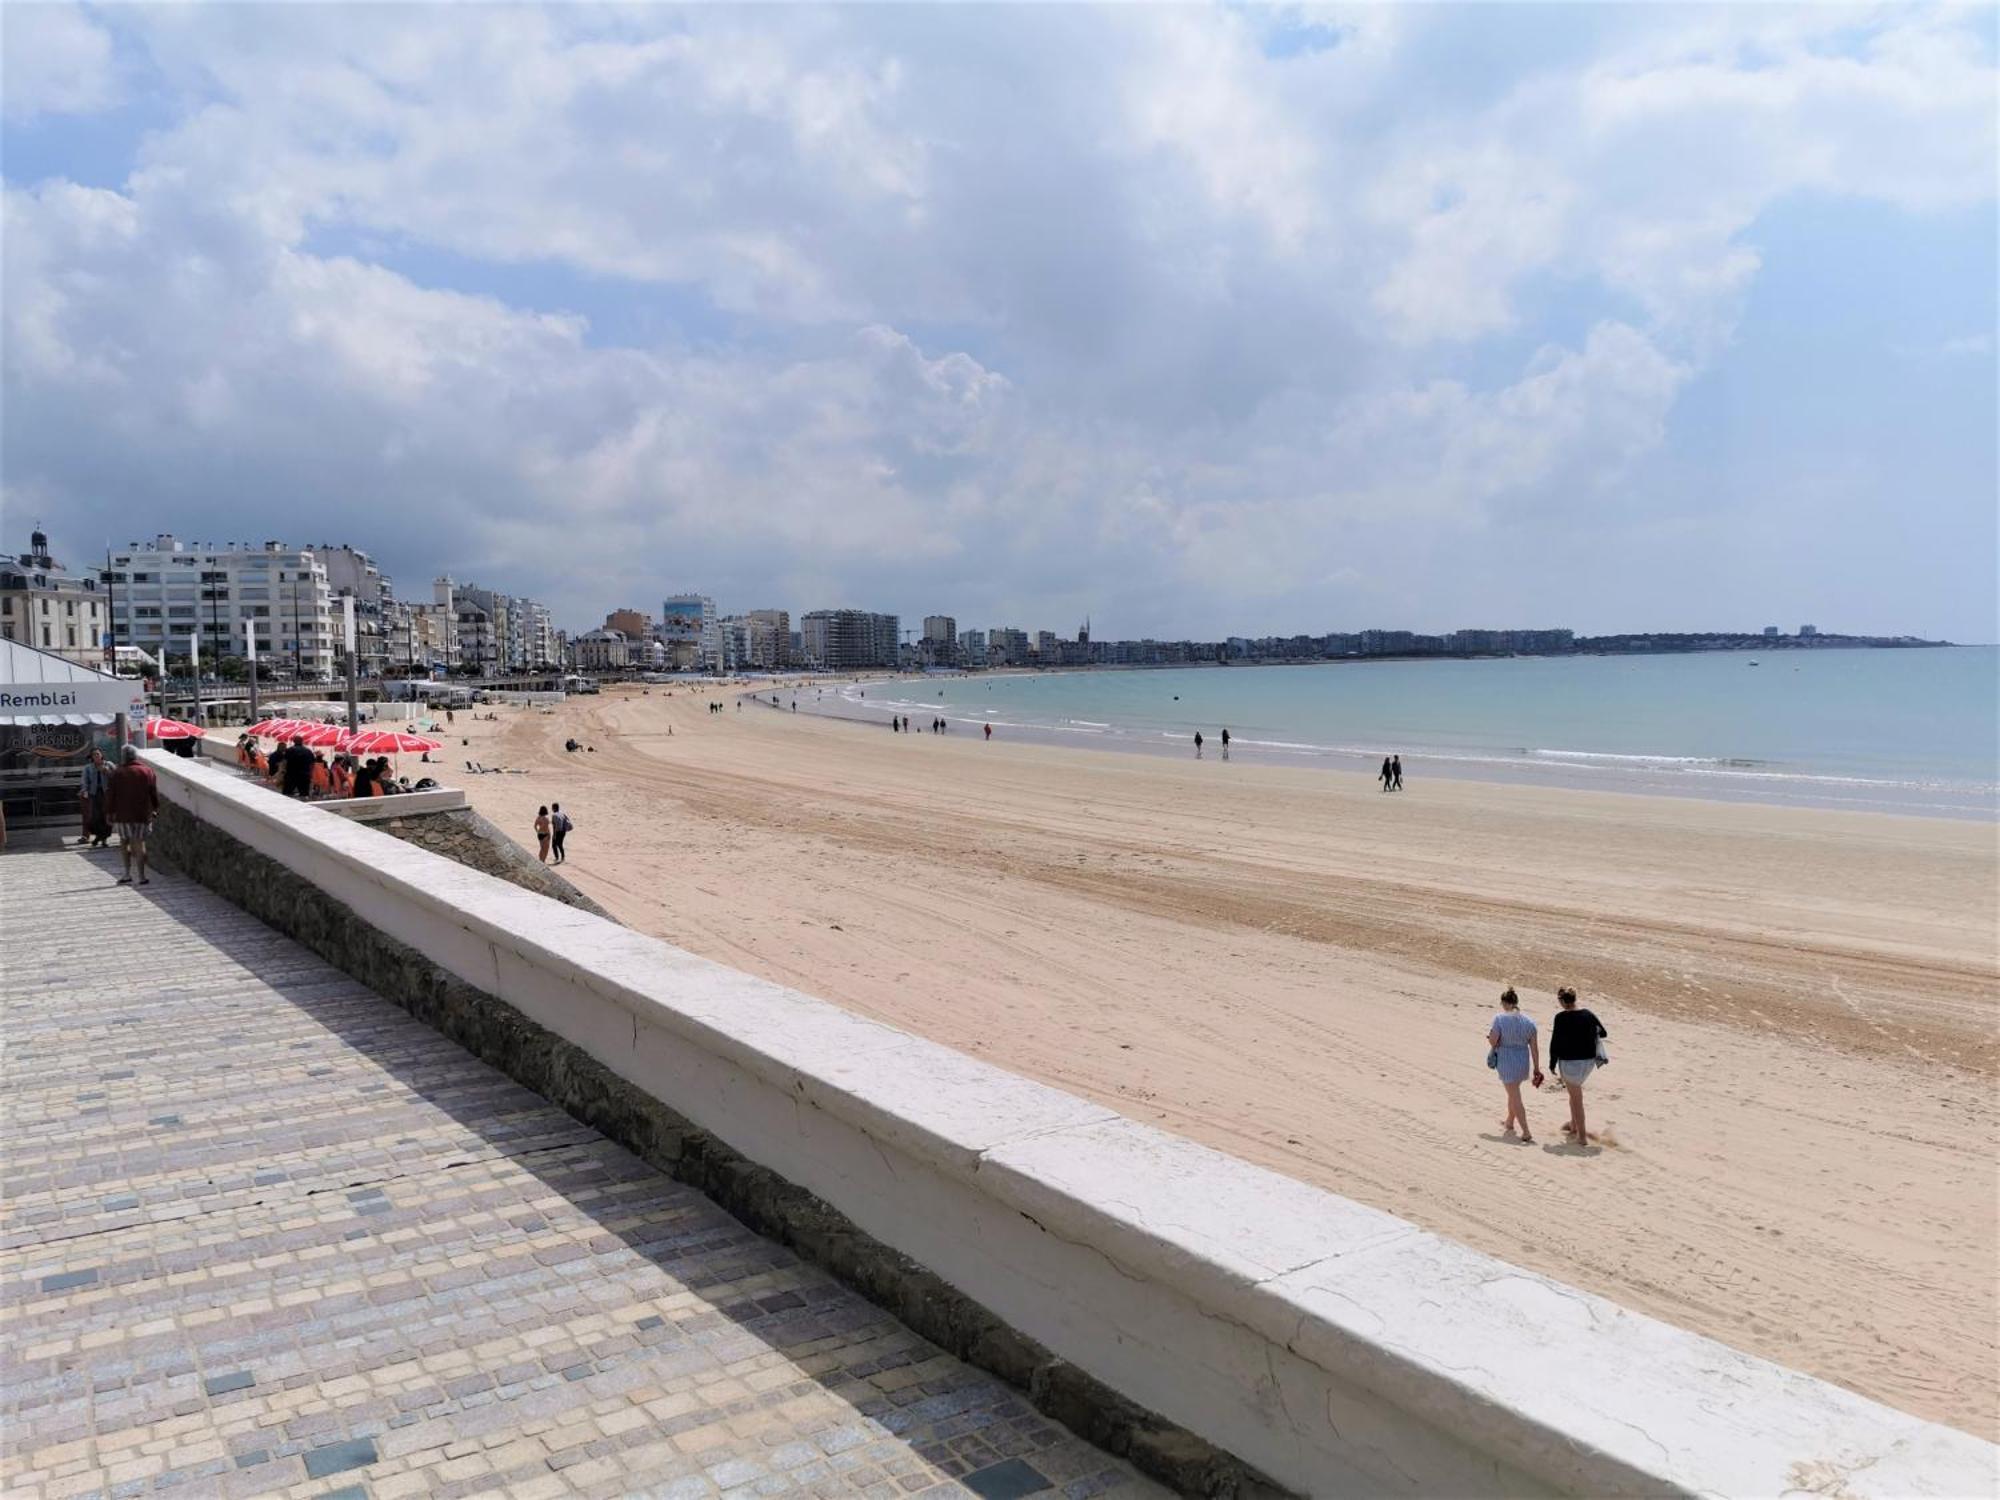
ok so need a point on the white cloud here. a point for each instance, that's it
(1044, 303)
(54, 60)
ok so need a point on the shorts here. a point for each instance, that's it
(132, 833)
(1574, 1070)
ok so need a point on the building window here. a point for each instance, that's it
(45, 635)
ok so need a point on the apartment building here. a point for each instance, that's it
(691, 632)
(842, 640)
(43, 604)
(1006, 646)
(940, 643)
(768, 640)
(163, 591)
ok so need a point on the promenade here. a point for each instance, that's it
(264, 1234)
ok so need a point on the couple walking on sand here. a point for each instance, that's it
(552, 827)
(1575, 1052)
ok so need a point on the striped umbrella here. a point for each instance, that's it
(389, 742)
(171, 729)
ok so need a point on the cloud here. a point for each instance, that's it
(1165, 312)
(54, 61)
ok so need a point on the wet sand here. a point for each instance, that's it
(1800, 1120)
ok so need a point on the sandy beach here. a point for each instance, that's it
(1800, 1120)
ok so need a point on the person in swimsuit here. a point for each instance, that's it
(1573, 1053)
(542, 834)
(1517, 1059)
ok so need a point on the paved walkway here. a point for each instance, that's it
(266, 1235)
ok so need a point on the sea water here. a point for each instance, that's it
(1907, 730)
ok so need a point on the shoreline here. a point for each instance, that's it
(1722, 783)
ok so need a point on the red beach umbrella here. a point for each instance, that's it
(323, 735)
(389, 742)
(171, 729)
(277, 728)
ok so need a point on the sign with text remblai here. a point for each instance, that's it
(35, 700)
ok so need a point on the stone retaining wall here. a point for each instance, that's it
(469, 839)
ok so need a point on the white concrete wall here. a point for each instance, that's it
(1337, 1348)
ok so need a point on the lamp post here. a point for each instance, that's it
(347, 637)
(194, 669)
(250, 640)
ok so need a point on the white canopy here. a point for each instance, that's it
(37, 687)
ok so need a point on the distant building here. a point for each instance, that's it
(842, 640)
(690, 631)
(1046, 647)
(972, 648)
(634, 625)
(44, 605)
(768, 639)
(602, 651)
(1807, 632)
(1771, 632)
(1006, 646)
(352, 572)
(940, 644)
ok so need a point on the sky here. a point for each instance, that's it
(1196, 321)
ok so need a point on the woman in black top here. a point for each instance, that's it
(1573, 1054)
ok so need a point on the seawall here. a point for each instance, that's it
(1222, 1325)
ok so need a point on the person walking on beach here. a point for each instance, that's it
(1574, 1054)
(559, 827)
(989, 731)
(542, 831)
(133, 801)
(1388, 773)
(90, 800)
(1197, 744)
(1515, 1054)
(1225, 742)
(1396, 770)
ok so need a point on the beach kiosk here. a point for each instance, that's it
(51, 712)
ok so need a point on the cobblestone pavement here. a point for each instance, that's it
(264, 1234)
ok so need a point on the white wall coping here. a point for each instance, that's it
(1557, 1385)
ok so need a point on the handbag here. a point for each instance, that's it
(1603, 1057)
(1492, 1057)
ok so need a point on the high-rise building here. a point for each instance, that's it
(768, 639)
(352, 572)
(941, 640)
(972, 648)
(841, 640)
(164, 590)
(43, 604)
(1007, 646)
(633, 624)
(690, 632)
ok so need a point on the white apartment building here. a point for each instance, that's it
(165, 590)
(352, 572)
(768, 639)
(502, 632)
(691, 632)
(44, 605)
